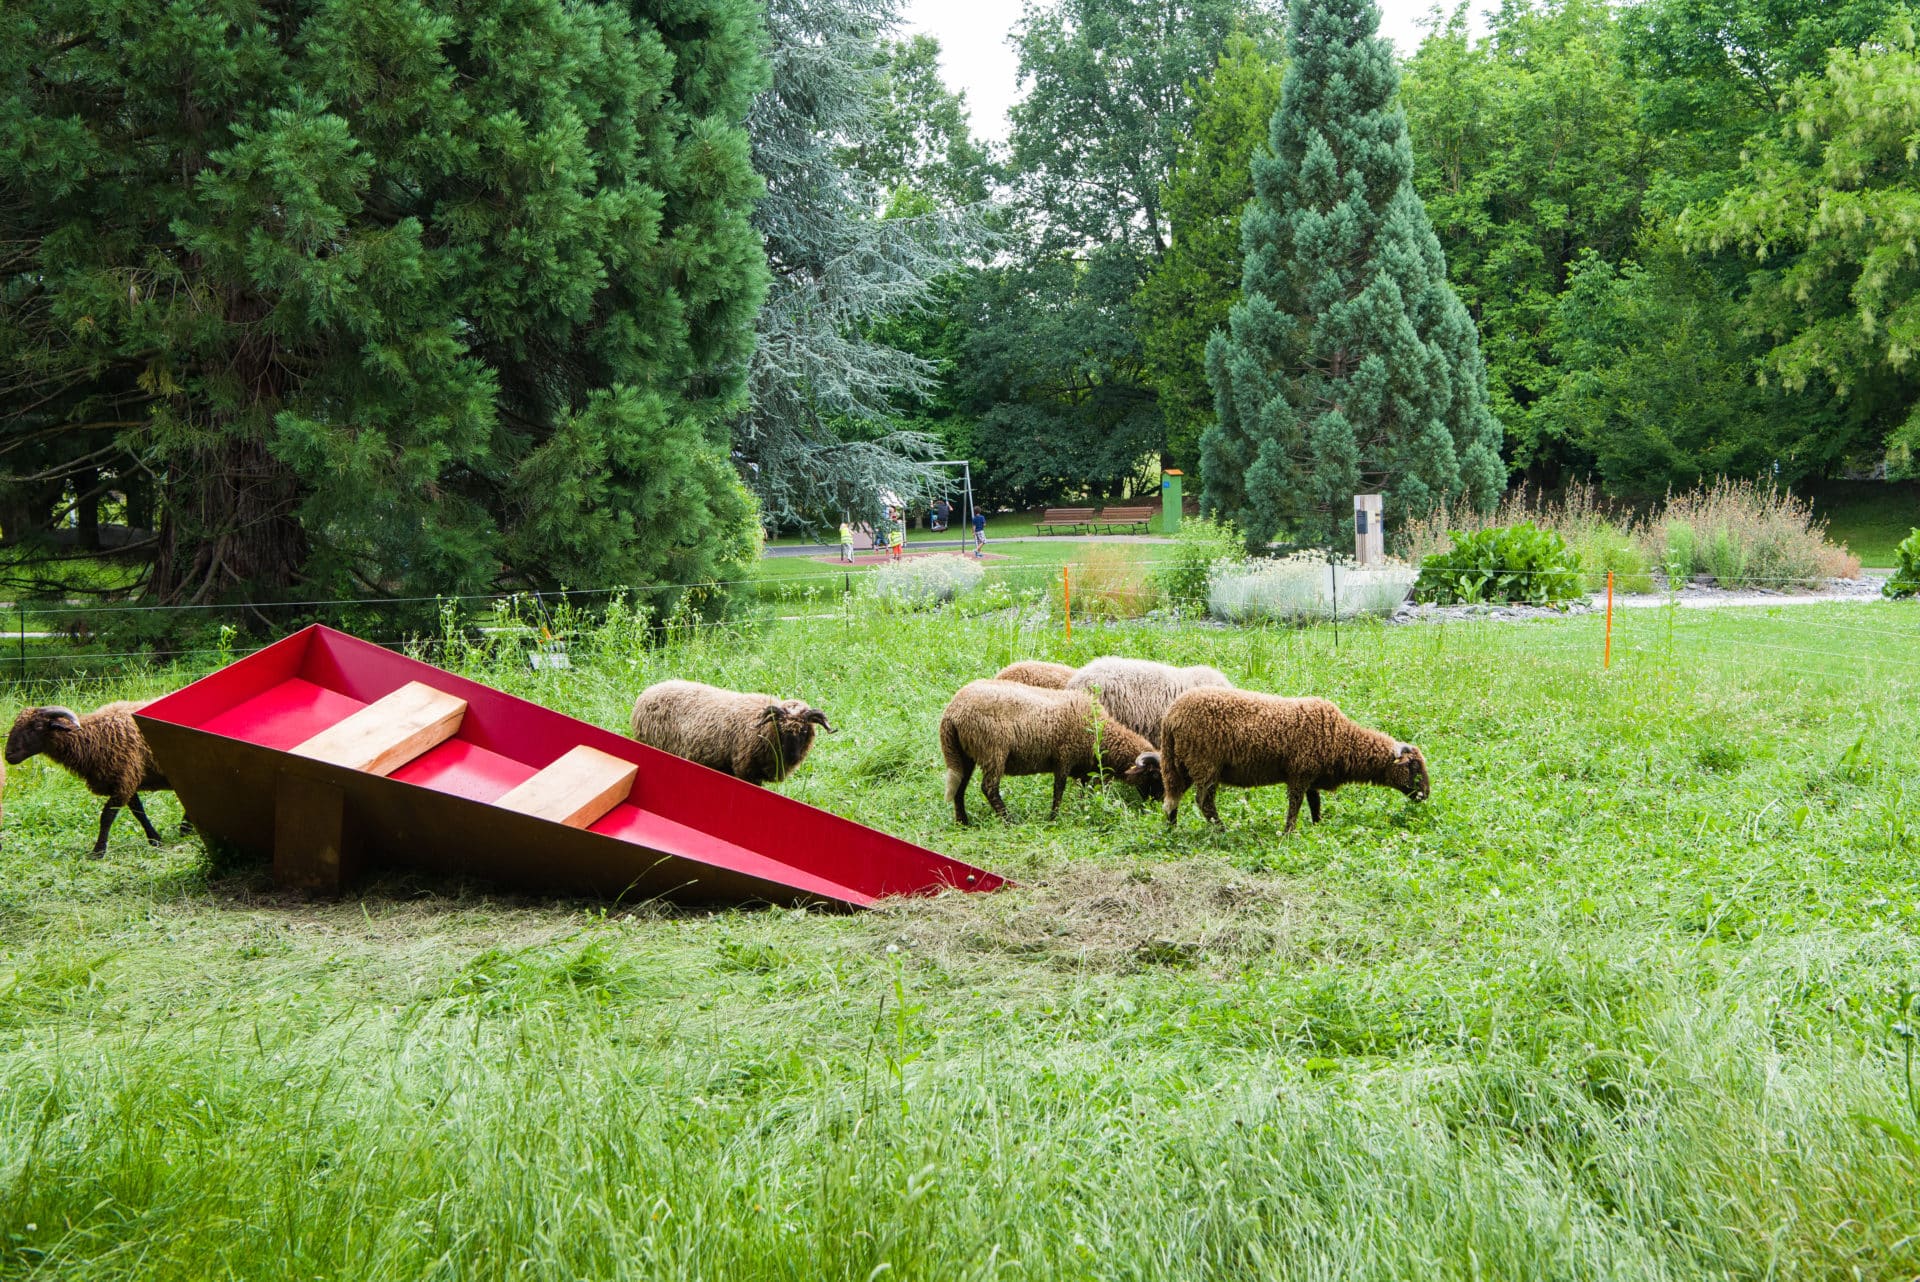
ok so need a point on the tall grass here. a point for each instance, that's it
(1742, 533)
(1618, 1002)
(1748, 535)
(1107, 581)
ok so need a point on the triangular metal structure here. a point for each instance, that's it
(334, 755)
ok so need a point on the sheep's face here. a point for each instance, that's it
(1145, 775)
(792, 724)
(34, 728)
(1409, 772)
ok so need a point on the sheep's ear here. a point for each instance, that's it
(814, 716)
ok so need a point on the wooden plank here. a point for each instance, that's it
(315, 848)
(576, 790)
(389, 732)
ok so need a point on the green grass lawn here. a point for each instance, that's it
(1871, 517)
(1000, 525)
(1619, 1002)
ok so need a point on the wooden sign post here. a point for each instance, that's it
(1369, 532)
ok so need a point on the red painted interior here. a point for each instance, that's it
(290, 691)
(465, 770)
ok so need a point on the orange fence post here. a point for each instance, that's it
(1066, 599)
(1606, 655)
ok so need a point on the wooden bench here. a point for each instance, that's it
(1064, 518)
(1113, 518)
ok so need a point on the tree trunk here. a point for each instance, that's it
(86, 509)
(228, 530)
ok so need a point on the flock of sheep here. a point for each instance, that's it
(1162, 729)
(1165, 730)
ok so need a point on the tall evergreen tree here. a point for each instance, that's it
(1348, 364)
(820, 436)
(402, 295)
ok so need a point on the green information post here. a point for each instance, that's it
(1170, 500)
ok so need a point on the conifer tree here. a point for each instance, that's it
(1348, 365)
(404, 296)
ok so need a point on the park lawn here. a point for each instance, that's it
(1000, 525)
(1620, 1001)
(1871, 517)
(1035, 564)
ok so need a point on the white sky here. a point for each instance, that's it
(976, 58)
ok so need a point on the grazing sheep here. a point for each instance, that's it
(1037, 672)
(1011, 729)
(105, 749)
(1138, 692)
(1238, 737)
(754, 737)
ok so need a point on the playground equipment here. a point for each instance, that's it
(334, 755)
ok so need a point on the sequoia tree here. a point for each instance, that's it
(397, 296)
(1348, 364)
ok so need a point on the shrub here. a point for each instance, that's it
(1182, 578)
(1675, 548)
(1304, 586)
(1521, 564)
(1109, 582)
(1605, 547)
(1906, 572)
(1745, 534)
(924, 582)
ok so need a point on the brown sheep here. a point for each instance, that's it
(1011, 729)
(754, 737)
(1037, 672)
(1138, 692)
(1237, 737)
(104, 749)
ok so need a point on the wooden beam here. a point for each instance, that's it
(576, 790)
(389, 732)
(315, 848)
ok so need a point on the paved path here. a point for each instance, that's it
(925, 545)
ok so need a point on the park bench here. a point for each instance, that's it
(1128, 518)
(1064, 518)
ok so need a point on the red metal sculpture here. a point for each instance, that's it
(334, 754)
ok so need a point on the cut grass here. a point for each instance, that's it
(1616, 1003)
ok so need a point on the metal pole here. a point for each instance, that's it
(1333, 581)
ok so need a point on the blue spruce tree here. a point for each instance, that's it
(1348, 366)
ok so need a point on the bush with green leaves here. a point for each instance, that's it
(1305, 587)
(1202, 542)
(1514, 564)
(1906, 572)
(923, 582)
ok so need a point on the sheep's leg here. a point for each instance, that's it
(1059, 791)
(1313, 803)
(140, 813)
(1294, 798)
(108, 813)
(1203, 790)
(957, 779)
(990, 789)
(1173, 788)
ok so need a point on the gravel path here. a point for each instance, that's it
(1694, 596)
